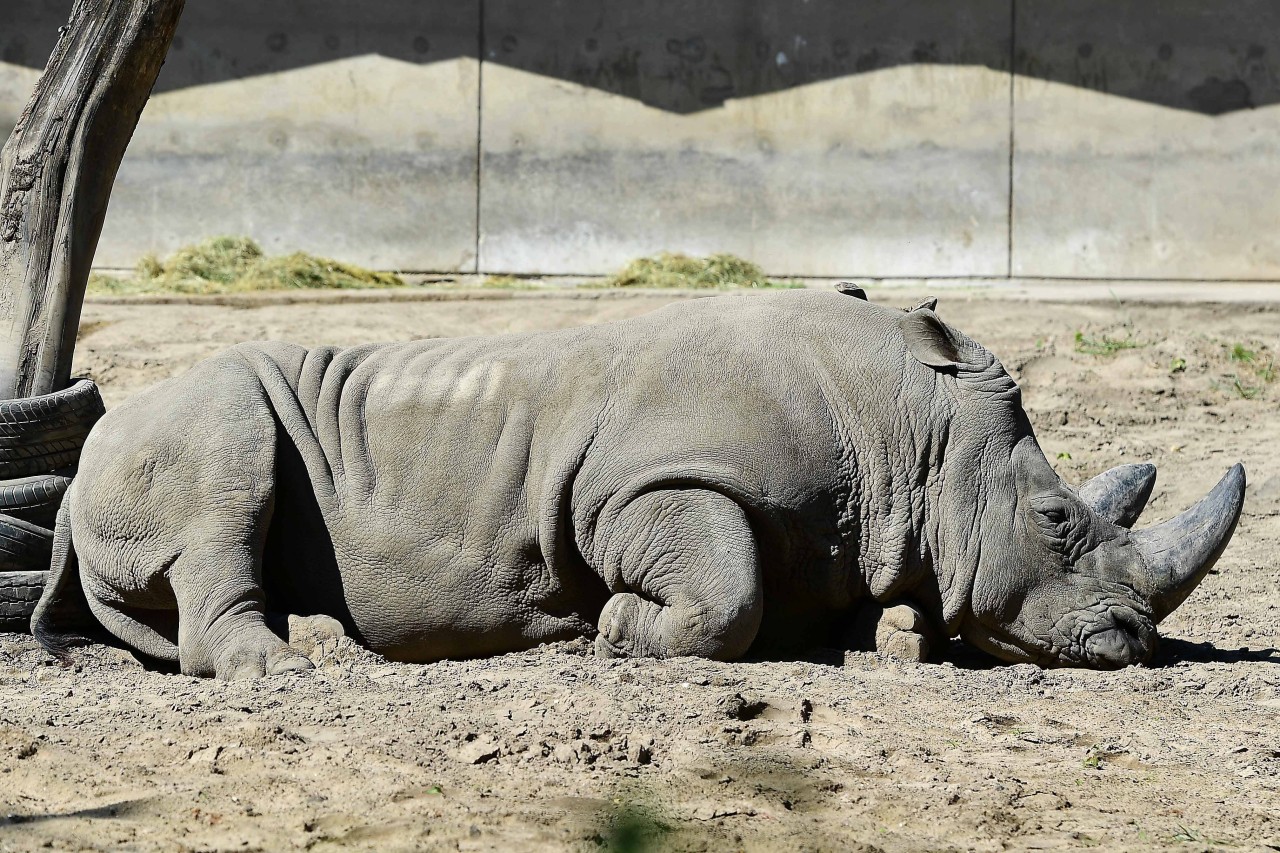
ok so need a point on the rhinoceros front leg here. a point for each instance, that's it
(900, 630)
(683, 566)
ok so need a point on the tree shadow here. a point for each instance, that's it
(121, 809)
(685, 56)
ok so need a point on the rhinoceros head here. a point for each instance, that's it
(1073, 586)
(1058, 578)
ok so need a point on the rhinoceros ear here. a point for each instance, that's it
(932, 341)
(848, 288)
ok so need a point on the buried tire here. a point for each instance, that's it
(25, 552)
(19, 592)
(40, 442)
(24, 547)
(34, 499)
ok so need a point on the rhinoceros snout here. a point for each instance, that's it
(1116, 648)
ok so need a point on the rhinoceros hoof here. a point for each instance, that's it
(617, 626)
(249, 663)
(627, 626)
(905, 646)
(899, 630)
(902, 633)
(606, 650)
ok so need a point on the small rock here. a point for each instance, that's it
(639, 753)
(565, 754)
(479, 750)
(208, 756)
(736, 707)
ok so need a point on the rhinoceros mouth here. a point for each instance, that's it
(1114, 635)
(1116, 648)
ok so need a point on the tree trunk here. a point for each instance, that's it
(56, 174)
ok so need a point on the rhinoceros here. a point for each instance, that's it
(725, 477)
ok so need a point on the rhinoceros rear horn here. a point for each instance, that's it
(1121, 494)
(1180, 552)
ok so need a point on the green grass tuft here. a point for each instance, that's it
(1104, 345)
(238, 265)
(1241, 353)
(1255, 370)
(717, 272)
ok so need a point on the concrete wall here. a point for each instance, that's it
(1147, 139)
(913, 138)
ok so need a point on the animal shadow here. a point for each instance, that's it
(1173, 651)
(1170, 652)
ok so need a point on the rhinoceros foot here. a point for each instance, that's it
(242, 648)
(626, 623)
(900, 630)
(903, 633)
(255, 663)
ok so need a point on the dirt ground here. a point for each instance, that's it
(552, 749)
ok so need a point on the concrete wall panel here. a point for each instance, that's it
(664, 125)
(1147, 139)
(309, 124)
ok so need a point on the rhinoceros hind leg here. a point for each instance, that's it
(230, 639)
(222, 619)
(217, 575)
(686, 578)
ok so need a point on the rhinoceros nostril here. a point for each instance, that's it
(1113, 649)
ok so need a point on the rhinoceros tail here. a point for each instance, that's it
(62, 619)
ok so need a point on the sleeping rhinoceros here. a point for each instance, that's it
(722, 477)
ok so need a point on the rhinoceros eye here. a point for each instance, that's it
(1053, 517)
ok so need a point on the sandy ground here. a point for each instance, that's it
(552, 749)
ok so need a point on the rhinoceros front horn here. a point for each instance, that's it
(1180, 552)
(1121, 494)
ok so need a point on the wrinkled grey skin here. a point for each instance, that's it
(723, 477)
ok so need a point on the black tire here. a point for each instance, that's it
(43, 434)
(35, 499)
(19, 592)
(24, 547)
(78, 403)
